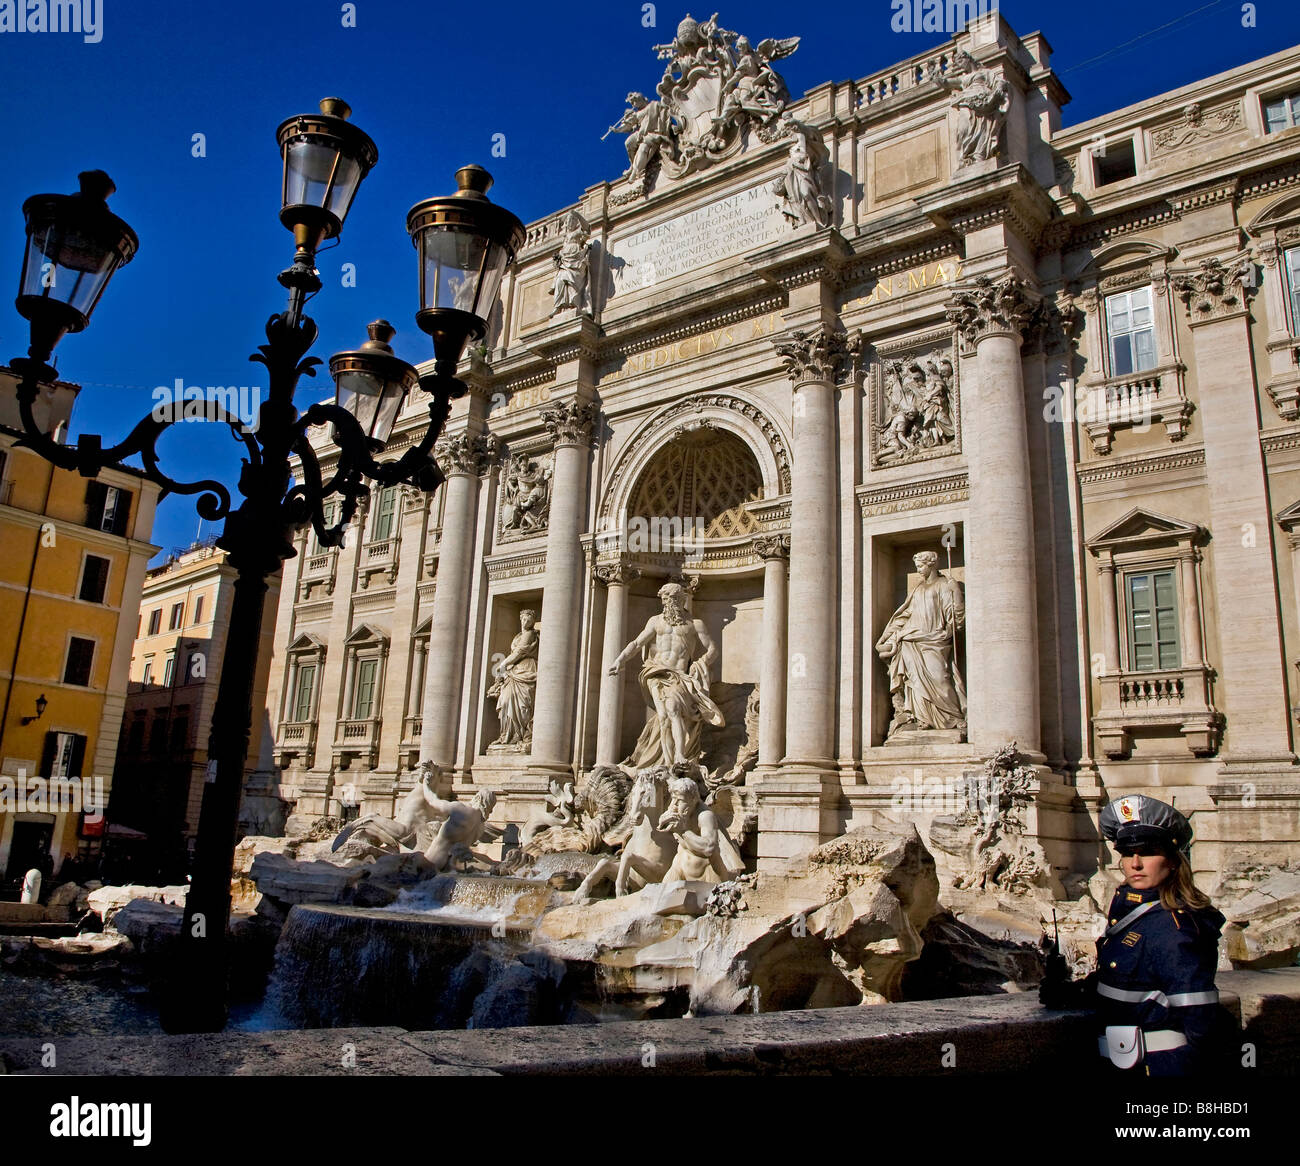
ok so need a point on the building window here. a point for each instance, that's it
(363, 702)
(1115, 162)
(1292, 270)
(327, 520)
(1282, 113)
(155, 621)
(94, 579)
(195, 668)
(381, 528)
(107, 507)
(178, 614)
(302, 698)
(135, 742)
(147, 678)
(180, 733)
(1131, 332)
(81, 653)
(64, 753)
(198, 610)
(169, 671)
(1153, 615)
(158, 734)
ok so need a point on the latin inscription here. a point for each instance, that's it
(727, 227)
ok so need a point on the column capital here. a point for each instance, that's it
(990, 306)
(462, 454)
(1051, 324)
(620, 572)
(772, 546)
(570, 422)
(1216, 289)
(817, 353)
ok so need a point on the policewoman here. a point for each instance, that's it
(1153, 990)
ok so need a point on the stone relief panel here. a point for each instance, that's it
(914, 402)
(525, 497)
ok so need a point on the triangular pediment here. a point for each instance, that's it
(367, 634)
(306, 642)
(1289, 517)
(424, 628)
(1140, 527)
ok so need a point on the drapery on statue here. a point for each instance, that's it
(572, 263)
(799, 188)
(919, 644)
(516, 686)
(982, 100)
(675, 685)
(649, 130)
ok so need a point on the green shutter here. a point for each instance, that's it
(384, 507)
(1153, 621)
(364, 702)
(306, 682)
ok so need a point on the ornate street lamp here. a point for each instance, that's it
(465, 244)
(74, 246)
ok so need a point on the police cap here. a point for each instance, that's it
(1138, 822)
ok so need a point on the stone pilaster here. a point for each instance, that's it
(797, 802)
(462, 457)
(570, 423)
(774, 550)
(609, 729)
(1001, 600)
(1252, 692)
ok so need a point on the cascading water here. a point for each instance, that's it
(452, 951)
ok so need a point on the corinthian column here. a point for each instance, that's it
(1001, 619)
(609, 727)
(774, 550)
(812, 359)
(570, 424)
(462, 459)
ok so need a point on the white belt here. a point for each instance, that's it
(1177, 1000)
(1162, 1040)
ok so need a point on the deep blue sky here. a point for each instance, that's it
(431, 88)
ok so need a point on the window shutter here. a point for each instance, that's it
(96, 496)
(122, 513)
(47, 754)
(78, 755)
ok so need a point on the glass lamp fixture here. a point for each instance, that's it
(371, 382)
(325, 159)
(74, 245)
(465, 243)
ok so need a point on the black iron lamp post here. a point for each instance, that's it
(75, 245)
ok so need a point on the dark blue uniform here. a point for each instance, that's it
(1157, 971)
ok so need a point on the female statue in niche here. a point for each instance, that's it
(516, 687)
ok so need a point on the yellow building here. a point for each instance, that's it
(175, 672)
(73, 555)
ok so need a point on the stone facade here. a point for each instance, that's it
(1063, 361)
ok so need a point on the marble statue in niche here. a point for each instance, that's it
(919, 646)
(516, 689)
(674, 681)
